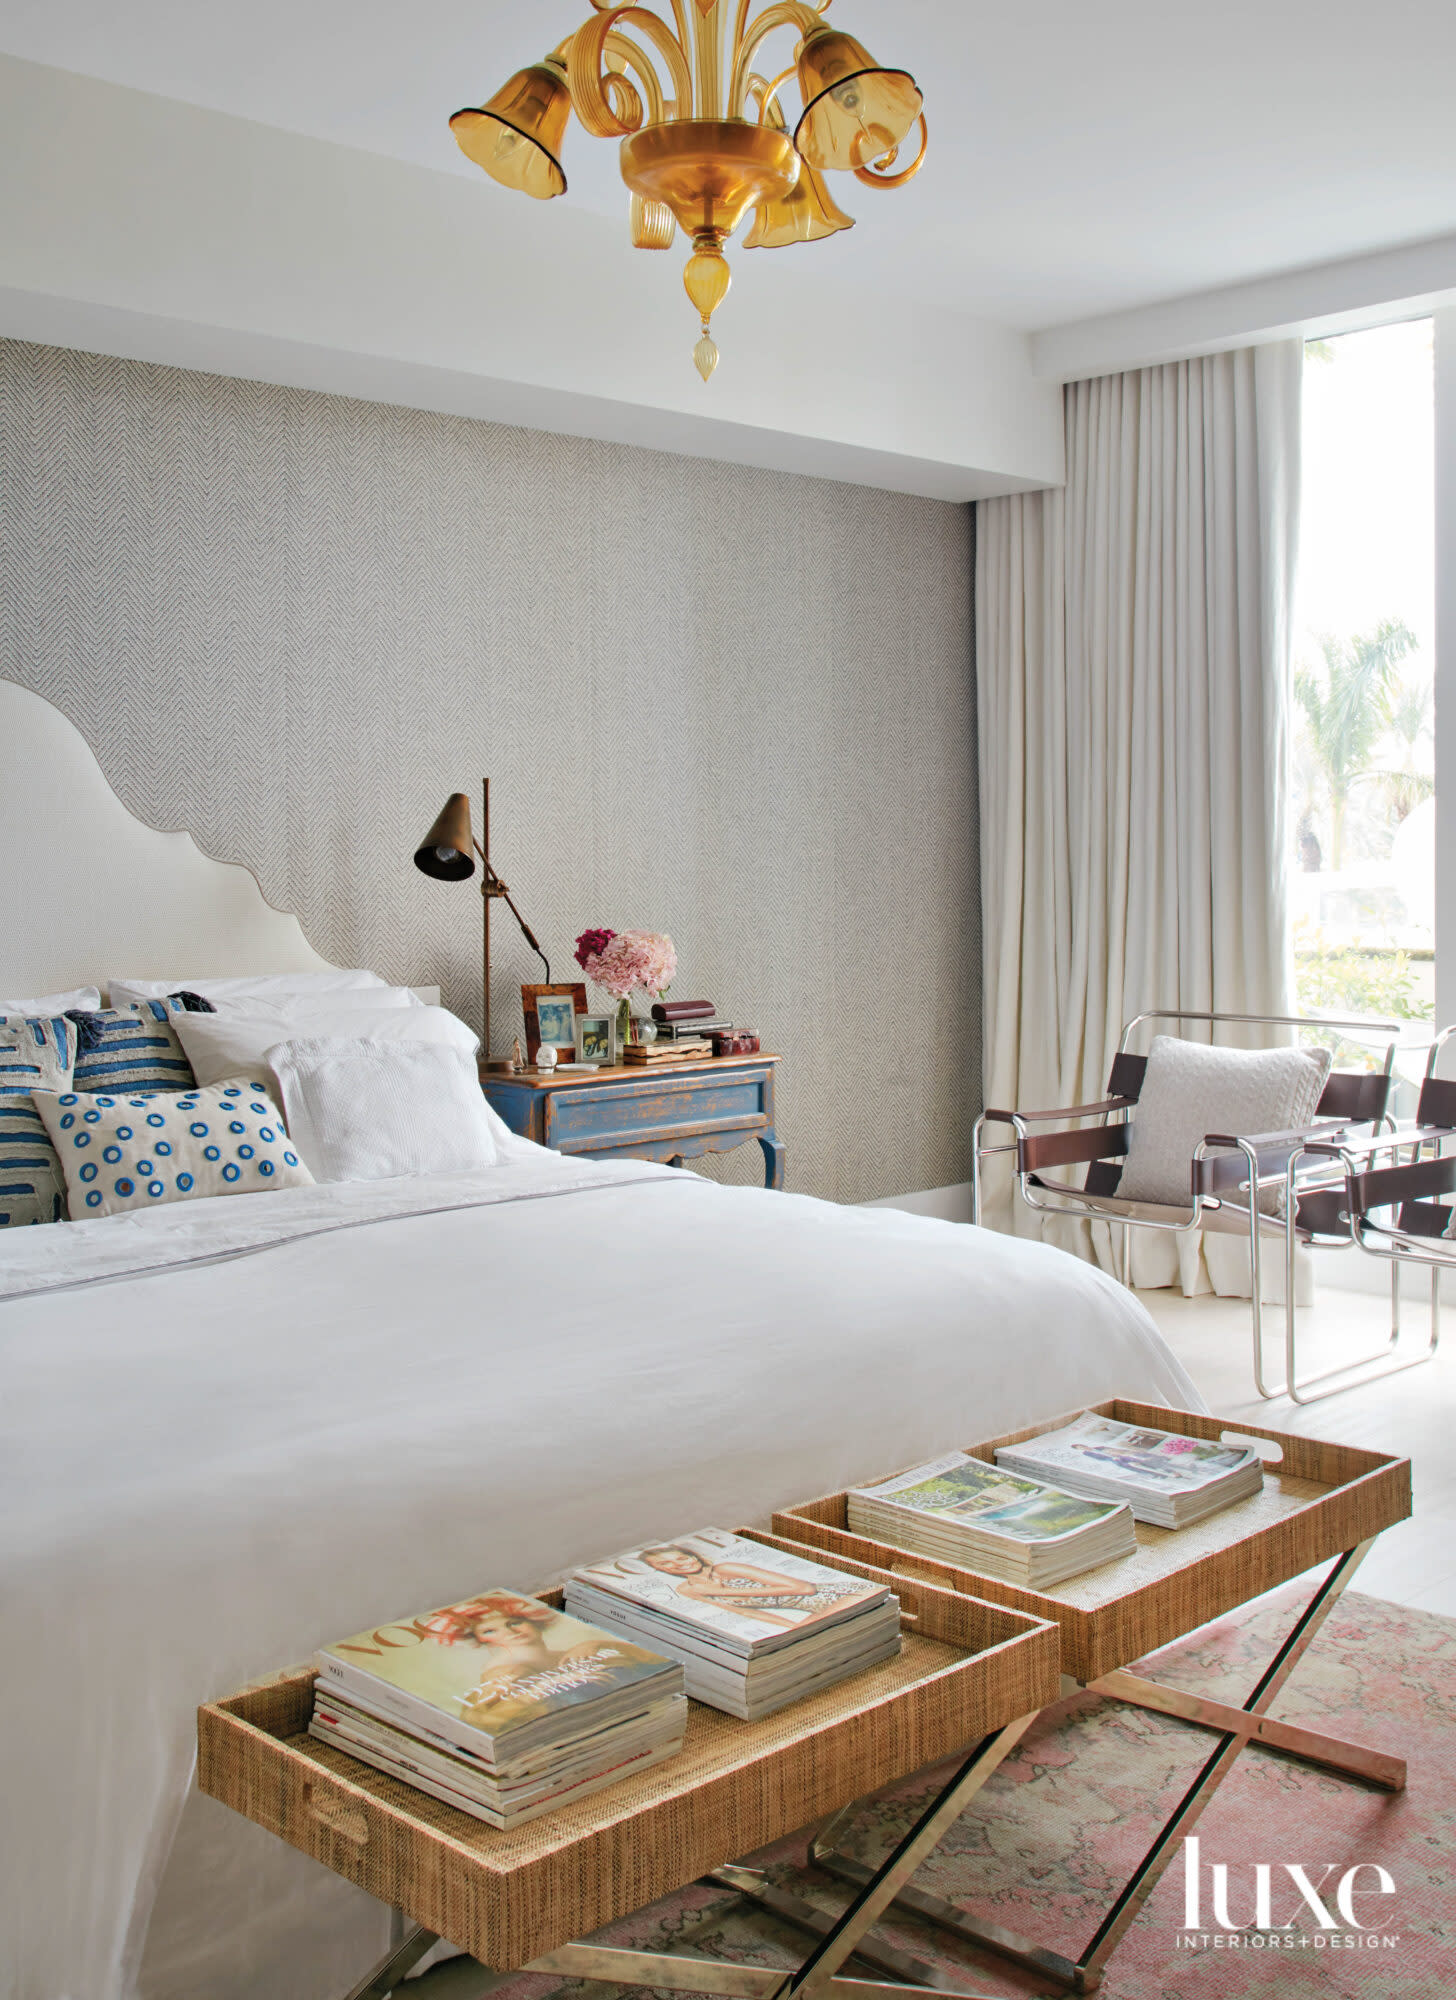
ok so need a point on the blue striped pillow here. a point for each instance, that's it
(35, 1054)
(132, 1048)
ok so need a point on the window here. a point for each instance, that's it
(1363, 810)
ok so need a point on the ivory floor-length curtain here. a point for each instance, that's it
(1133, 665)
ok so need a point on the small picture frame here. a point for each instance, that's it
(551, 1013)
(596, 1039)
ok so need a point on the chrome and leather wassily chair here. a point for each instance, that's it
(1227, 1173)
(1399, 1212)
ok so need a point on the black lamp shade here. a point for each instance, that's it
(447, 852)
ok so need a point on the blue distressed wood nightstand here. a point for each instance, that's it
(673, 1113)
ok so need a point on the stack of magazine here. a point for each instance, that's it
(1167, 1479)
(500, 1705)
(754, 1628)
(962, 1510)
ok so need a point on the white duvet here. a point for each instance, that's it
(235, 1429)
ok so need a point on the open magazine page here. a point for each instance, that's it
(724, 1584)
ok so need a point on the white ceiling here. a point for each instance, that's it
(1084, 160)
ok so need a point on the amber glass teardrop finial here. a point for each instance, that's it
(707, 277)
(706, 281)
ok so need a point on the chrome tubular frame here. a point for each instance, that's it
(1389, 1242)
(1386, 1359)
(1309, 1169)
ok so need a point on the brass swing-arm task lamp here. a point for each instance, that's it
(448, 855)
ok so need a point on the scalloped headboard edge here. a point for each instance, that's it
(91, 891)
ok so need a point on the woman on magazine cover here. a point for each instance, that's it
(762, 1593)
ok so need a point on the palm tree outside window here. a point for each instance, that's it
(1362, 870)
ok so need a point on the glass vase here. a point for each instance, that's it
(624, 1025)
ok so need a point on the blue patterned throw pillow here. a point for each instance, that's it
(126, 1151)
(132, 1048)
(35, 1054)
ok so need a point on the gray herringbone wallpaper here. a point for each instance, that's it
(730, 704)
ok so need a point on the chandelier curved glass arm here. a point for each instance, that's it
(751, 38)
(764, 91)
(591, 81)
(621, 53)
(740, 25)
(876, 174)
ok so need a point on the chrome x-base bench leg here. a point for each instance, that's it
(1237, 1728)
(399, 1961)
(840, 1938)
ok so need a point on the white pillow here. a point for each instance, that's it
(258, 985)
(121, 1152)
(295, 1006)
(85, 997)
(225, 1045)
(1190, 1090)
(367, 1111)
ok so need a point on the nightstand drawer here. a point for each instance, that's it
(656, 1110)
(673, 1112)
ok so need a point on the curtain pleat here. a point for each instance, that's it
(1133, 664)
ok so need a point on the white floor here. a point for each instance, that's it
(1413, 1414)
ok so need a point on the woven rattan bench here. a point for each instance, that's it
(969, 1679)
(1320, 1503)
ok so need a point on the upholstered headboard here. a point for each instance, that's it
(91, 891)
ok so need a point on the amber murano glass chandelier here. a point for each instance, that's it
(705, 135)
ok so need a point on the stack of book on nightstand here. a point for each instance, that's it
(691, 1031)
(683, 1027)
(500, 1706)
(962, 1510)
(754, 1628)
(647, 1055)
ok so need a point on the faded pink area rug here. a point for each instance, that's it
(1048, 1843)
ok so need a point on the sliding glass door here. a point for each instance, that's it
(1363, 806)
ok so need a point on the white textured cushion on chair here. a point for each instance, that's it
(226, 1044)
(1190, 1090)
(368, 1110)
(251, 986)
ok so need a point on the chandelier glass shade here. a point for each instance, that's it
(705, 140)
(517, 136)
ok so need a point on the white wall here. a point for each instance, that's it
(948, 1204)
(1315, 302)
(138, 225)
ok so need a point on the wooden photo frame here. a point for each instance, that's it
(555, 1011)
(596, 1039)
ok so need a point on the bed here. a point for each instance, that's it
(235, 1428)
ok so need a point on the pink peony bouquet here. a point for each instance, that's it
(625, 961)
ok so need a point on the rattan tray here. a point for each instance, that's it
(966, 1668)
(1317, 1501)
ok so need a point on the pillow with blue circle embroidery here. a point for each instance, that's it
(122, 1151)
